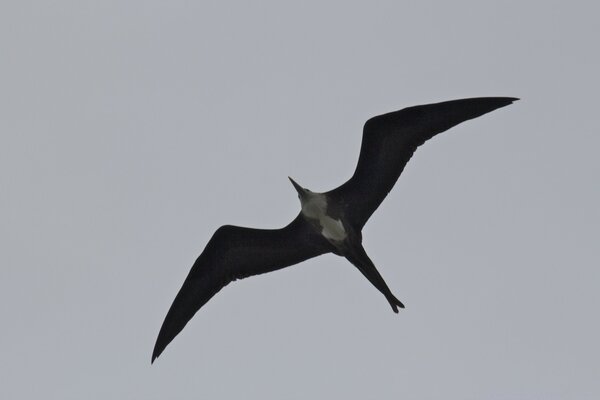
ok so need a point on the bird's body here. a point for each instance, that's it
(315, 210)
(329, 222)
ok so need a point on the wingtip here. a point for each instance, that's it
(492, 103)
(155, 355)
(506, 100)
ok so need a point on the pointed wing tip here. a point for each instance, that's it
(154, 357)
(158, 349)
(501, 101)
(484, 105)
(506, 101)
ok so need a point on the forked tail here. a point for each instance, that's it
(358, 257)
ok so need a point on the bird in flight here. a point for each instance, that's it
(329, 222)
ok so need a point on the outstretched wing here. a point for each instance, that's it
(388, 143)
(234, 253)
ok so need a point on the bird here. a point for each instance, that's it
(328, 222)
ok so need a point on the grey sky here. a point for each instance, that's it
(130, 131)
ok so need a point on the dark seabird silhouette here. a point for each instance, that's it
(329, 222)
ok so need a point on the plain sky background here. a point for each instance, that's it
(130, 131)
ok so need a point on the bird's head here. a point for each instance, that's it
(302, 193)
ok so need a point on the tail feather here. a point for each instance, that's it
(358, 257)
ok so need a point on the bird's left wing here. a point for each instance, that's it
(389, 141)
(234, 253)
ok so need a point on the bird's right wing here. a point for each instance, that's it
(234, 253)
(388, 143)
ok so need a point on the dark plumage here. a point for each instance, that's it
(328, 222)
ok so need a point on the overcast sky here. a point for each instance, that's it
(130, 131)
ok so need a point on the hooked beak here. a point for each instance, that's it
(298, 188)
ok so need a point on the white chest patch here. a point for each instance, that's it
(333, 229)
(315, 207)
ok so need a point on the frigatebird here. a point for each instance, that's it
(329, 222)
